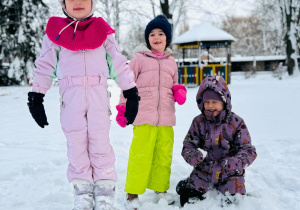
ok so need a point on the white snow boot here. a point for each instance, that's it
(165, 195)
(132, 204)
(83, 194)
(104, 194)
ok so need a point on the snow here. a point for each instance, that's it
(21, 37)
(33, 160)
(204, 32)
(15, 70)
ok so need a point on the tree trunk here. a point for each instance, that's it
(165, 8)
(117, 19)
(153, 7)
(289, 51)
(290, 37)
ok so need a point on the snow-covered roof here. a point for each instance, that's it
(258, 58)
(240, 58)
(204, 32)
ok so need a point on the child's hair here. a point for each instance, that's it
(162, 23)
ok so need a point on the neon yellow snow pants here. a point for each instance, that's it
(150, 158)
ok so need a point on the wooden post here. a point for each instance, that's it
(199, 66)
(183, 52)
(228, 50)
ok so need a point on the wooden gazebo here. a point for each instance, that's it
(203, 38)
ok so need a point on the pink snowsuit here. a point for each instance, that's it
(85, 109)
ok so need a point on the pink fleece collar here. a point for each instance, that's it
(159, 55)
(89, 34)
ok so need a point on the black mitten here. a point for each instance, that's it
(181, 186)
(132, 104)
(36, 108)
(186, 193)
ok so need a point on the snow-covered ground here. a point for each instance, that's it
(33, 160)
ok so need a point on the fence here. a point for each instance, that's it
(192, 76)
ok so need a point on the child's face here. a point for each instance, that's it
(213, 106)
(78, 8)
(157, 40)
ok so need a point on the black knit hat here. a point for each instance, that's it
(162, 23)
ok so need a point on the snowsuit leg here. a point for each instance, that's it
(85, 122)
(159, 177)
(141, 159)
(234, 184)
(199, 181)
(101, 152)
(74, 125)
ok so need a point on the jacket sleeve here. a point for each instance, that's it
(135, 68)
(245, 151)
(175, 76)
(193, 144)
(46, 65)
(124, 76)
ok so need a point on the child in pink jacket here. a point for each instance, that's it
(156, 75)
(77, 49)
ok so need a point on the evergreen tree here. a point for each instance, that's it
(22, 26)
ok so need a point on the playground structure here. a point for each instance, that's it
(199, 41)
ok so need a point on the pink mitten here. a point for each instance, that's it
(120, 118)
(179, 92)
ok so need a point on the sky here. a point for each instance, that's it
(216, 10)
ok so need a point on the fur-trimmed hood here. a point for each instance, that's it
(142, 48)
(94, 2)
(217, 84)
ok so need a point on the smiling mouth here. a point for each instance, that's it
(157, 42)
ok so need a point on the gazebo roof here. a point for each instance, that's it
(204, 32)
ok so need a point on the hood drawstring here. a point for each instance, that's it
(67, 27)
(75, 29)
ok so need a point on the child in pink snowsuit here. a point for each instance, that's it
(77, 50)
(156, 76)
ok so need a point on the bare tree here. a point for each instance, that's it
(105, 9)
(254, 36)
(153, 7)
(122, 13)
(116, 6)
(290, 16)
(175, 11)
(271, 26)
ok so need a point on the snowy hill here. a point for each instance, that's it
(33, 161)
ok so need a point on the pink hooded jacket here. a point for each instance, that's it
(154, 79)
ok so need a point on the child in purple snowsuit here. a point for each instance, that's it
(226, 139)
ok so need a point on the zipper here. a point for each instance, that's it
(85, 75)
(109, 108)
(158, 91)
(62, 104)
(158, 88)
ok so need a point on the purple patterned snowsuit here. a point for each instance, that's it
(226, 140)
